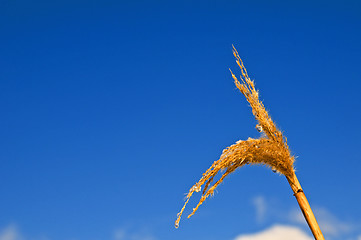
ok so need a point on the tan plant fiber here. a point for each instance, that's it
(271, 150)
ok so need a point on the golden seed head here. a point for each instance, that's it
(271, 149)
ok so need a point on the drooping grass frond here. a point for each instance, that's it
(271, 150)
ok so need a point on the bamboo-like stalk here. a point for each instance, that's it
(271, 149)
(305, 207)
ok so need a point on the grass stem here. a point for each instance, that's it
(305, 207)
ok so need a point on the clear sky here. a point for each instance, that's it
(112, 110)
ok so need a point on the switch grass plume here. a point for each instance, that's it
(271, 150)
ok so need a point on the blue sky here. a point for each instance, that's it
(112, 110)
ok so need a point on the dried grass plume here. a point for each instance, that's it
(271, 149)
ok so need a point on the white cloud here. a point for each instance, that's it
(277, 232)
(330, 225)
(260, 204)
(122, 234)
(333, 228)
(295, 215)
(10, 233)
(119, 234)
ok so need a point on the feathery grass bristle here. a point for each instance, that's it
(270, 150)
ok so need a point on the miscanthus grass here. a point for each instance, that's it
(270, 149)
